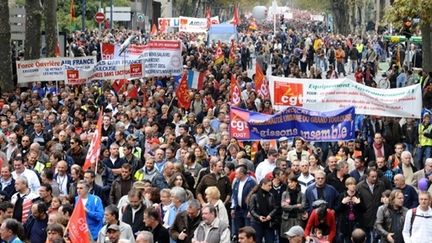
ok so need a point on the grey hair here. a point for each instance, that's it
(23, 180)
(147, 235)
(179, 193)
(195, 204)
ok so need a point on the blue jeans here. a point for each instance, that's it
(240, 220)
(422, 154)
(263, 231)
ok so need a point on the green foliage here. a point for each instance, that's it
(315, 5)
(409, 8)
(92, 6)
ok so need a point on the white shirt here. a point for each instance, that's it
(32, 178)
(62, 181)
(305, 181)
(240, 190)
(421, 228)
(263, 169)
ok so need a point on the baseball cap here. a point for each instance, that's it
(113, 227)
(154, 140)
(139, 185)
(295, 231)
(283, 139)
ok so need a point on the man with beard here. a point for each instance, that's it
(122, 185)
(133, 213)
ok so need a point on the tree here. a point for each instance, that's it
(341, 16)
(50, 9)
(6, 82)
(416, 8)
(32, 42)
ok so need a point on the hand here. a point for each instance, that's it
(346, 200)
(308, 238)
(390, 237)
(268, 218)
(356, 200)
(284, 204)
(262, 218)
(182, 235)
(299, 205)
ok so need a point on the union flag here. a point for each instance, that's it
(235, 93)
(77, 226)
(95, 145)
(182, 93)
(219, 57)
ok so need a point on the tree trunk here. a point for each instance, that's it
(32, 42)
(339, 9)
(426, 30)
(6, 81)
(50, 9)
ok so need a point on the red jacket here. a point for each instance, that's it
(329, 220)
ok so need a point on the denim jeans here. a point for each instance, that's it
(240, 220)
(422, 154)
(263, 231)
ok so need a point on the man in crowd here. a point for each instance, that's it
(211, 229)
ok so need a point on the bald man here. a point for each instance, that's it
(409, 192)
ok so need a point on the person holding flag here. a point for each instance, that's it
(88, 211)
(219, 55)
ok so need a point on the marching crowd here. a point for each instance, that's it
(168, 174)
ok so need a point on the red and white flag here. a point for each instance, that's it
(95, 145)
(235, 93)
(77, 226)
(261, 84)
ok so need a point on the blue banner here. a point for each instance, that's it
(310, 125)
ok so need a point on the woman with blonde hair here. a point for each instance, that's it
(213, 198)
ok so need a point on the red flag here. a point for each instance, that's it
(132, 92)
(208, 16)
(235, 94)
(77, 226)
(182, 93)
(72, 10)
(154, 30)
(232, 54)
(219, 57)
(235, 20)
(260, 82)
(57, 52)
(117, 85)
(95, 145)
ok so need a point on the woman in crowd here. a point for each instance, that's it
(322, 221)
(292, 205)
(391, 218)
(349, 209)
(262, 207)
(213, 198)
(314, 164)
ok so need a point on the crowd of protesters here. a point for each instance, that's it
(167, 174)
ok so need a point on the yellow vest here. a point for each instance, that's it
(139, 175)
(424, 141)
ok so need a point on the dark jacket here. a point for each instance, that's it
(120, 188)
(371, 202)
(384, 225)
(222, 183)
(183, 222)
(330, 196)
(78, 157)
(345, 223)
(138, 223)
(248, 186)
(35, 229)
(335, 182)
(370, 153)
(160, 234)
(9, 190)
(262, 203)
(410, 197)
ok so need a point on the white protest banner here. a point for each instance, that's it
(195, 25)
(161, 58)
(325, 95)
(106, 70)
(50, 69)
(165, 23)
